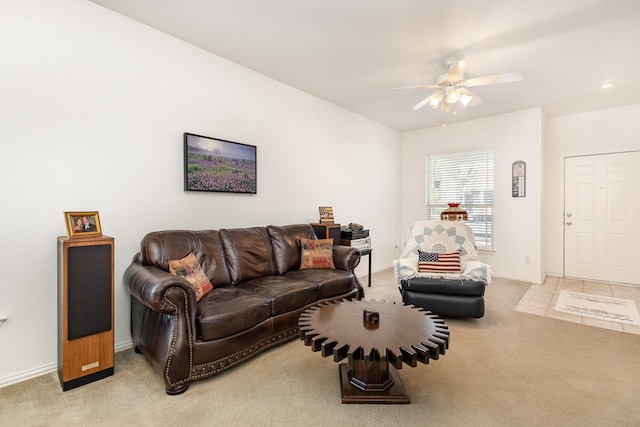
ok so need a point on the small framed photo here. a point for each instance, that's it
(83, 224)
(326, 214)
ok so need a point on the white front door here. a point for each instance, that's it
(602, 217)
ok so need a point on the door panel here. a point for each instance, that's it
(601, 202)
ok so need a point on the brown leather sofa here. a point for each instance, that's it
(259, 293)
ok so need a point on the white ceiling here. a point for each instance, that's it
(352, 52)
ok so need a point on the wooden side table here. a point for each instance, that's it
(367, 252)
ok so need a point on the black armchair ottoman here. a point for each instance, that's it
(446, 298)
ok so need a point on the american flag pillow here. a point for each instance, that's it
(431, 262)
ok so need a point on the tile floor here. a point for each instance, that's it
(541, 300)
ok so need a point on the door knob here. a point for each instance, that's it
(568, 223)
(569, 215)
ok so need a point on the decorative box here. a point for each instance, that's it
(453, 213)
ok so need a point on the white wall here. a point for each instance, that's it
(596, 132)
(93, 107)
(517, 221)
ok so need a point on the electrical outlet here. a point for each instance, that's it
(527, 260)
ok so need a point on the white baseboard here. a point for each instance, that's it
(52, 367)
(123, 346)
(27, 375)
(520, 279)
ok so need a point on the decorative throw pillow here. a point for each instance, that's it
(189, 268)
(317, 253)
(433, 262)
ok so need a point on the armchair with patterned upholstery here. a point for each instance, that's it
(439, 269)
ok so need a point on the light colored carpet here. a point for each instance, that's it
(505, 369)
(542, 299)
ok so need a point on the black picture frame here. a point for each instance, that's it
(218, 165)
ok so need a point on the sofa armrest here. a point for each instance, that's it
(150, 285)
(345, 258)
(163, 321)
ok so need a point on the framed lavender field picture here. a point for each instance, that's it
(212, 164)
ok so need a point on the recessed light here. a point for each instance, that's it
(607, 85)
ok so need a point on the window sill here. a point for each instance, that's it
(487, 250)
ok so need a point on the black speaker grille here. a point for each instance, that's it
(88, 290)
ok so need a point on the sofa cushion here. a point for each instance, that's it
(331, 282)
(189, 268)
(248, 253)
(159, 247)
(433, 262)
(228, 310)
(316, 253)
(286, 244)
(284, 293)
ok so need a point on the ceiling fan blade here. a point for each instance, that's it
(456, 71)
(422, 103)
(490, 80)
(475, 101)
(418, 87)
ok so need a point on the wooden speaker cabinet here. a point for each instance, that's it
(85, 310)
(326, 231)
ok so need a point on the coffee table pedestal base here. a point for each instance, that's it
(395, 394)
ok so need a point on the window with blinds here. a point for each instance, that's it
(465, 178)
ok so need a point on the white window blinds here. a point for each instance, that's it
(465, 178)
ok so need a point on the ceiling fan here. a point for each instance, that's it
(452, 86)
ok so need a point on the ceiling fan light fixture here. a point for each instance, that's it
(434, 101)
(450, 87)
(453, 96)
(465, 99)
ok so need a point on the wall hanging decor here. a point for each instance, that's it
(518, 177)
(217, 165)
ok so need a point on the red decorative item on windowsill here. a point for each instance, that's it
(453, 213)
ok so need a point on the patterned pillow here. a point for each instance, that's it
(433, 262)
(316, 253)
(189, 268)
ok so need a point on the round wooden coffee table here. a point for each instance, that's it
(376, 337)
